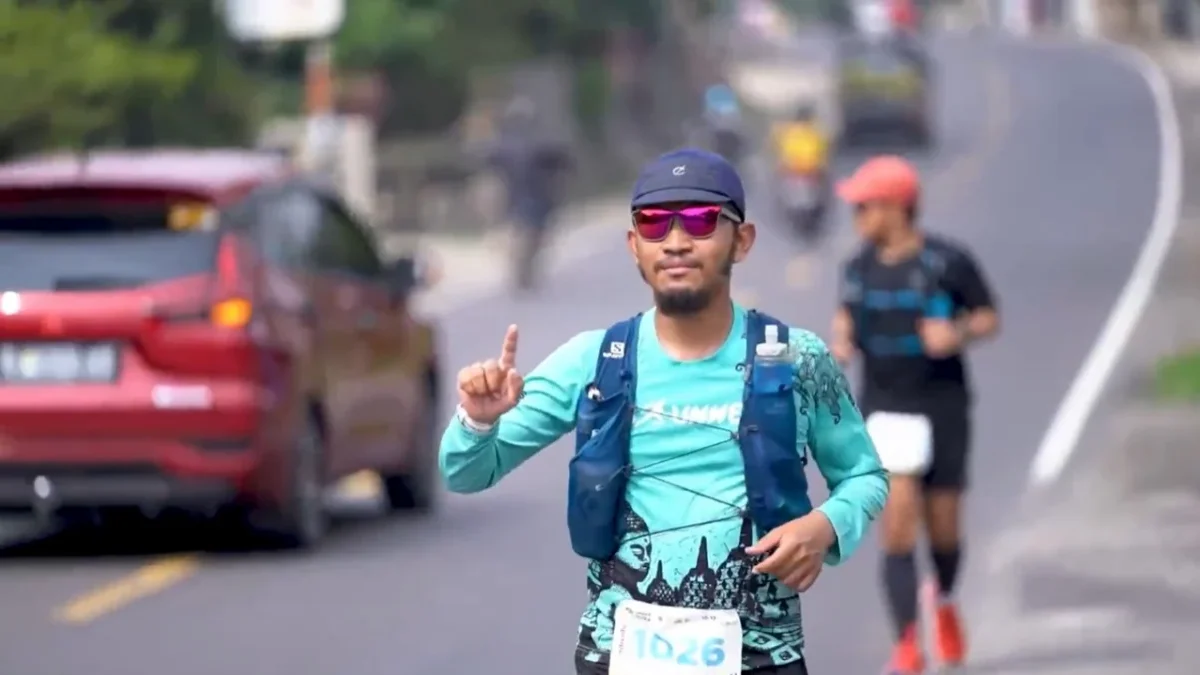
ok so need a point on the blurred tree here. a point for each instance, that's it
(67, 80)
(218, 101)
(405, 43)
(119, 72)
(426, 50)
(152, 72)
(377, 32)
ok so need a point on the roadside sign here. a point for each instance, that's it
(282, 20)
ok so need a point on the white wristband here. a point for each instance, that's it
(471, 424)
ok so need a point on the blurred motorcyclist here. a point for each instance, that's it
(532, 168)
(801, 145)
(723, 123)
(802, 170)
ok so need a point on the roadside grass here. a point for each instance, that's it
(1177, 377)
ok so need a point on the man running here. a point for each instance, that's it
(691, 577)
(911, 303)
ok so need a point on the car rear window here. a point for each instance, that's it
(81, 247)
(879, 59)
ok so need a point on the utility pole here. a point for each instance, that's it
(320, 123)
(313, 22)
(318, 78)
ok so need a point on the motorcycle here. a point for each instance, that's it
(804, 198)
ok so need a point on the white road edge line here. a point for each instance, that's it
(1077, 406)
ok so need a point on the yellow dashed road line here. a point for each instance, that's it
(143, 582)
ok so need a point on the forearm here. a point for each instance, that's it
(843, 327)
(471, 461)
(474, 460)
(842, 343)
(980, 324)
(844, 454)
(852, 505)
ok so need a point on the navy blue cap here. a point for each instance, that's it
(690, 175)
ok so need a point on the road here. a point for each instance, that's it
(1100, 573)
(1047, 166)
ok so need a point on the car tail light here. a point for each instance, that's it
(212, 336)
(230, 308)
(231, 313)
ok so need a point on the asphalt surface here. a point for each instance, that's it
(1047, 165)
(1101, 574)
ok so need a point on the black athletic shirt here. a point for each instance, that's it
(887, 302)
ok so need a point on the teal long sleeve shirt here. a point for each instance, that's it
(687, 507)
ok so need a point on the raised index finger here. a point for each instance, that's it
(508, 351)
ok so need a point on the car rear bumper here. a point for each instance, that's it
(883, 113)
(153, 474)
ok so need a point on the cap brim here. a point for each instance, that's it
(853, 192)
(668, 195)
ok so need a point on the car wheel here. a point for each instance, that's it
(303, 521)
(415, 490)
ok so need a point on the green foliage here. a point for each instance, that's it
(142, 72)
(377, 32)
(66, 79)
(118, 72)
(1177, 377)
(428, 49)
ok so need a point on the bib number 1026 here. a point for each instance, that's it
(684, 652)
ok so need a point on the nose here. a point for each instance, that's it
(677, 241)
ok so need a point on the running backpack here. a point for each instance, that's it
(776, 487)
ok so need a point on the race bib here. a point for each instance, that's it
(904, 442)
(654, 640)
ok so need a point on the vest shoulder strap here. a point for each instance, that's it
(616, 363)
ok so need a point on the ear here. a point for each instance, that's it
(631, 240)
(744, 236)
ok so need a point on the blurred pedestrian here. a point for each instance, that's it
(533, 169)
(911, 304)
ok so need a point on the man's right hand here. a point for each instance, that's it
(488, 389)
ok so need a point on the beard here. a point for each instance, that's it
(690, 301)
(683, 302)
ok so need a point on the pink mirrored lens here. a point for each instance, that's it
(696, 221)
(653, 224)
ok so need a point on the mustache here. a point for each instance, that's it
(676, 262)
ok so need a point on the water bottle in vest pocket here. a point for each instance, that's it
(776, 487)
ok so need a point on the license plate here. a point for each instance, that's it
(58, 362)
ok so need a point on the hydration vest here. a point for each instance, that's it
(776, 487)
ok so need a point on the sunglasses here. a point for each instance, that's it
(698, 222)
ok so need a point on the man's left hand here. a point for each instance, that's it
(797, 550)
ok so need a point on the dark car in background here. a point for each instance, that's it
(885, 90)
(205, 331)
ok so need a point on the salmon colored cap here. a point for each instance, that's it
(887, 178)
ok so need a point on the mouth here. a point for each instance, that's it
(677, 268)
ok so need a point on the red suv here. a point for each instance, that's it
(203, 330)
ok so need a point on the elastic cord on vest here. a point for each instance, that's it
(776, 487)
